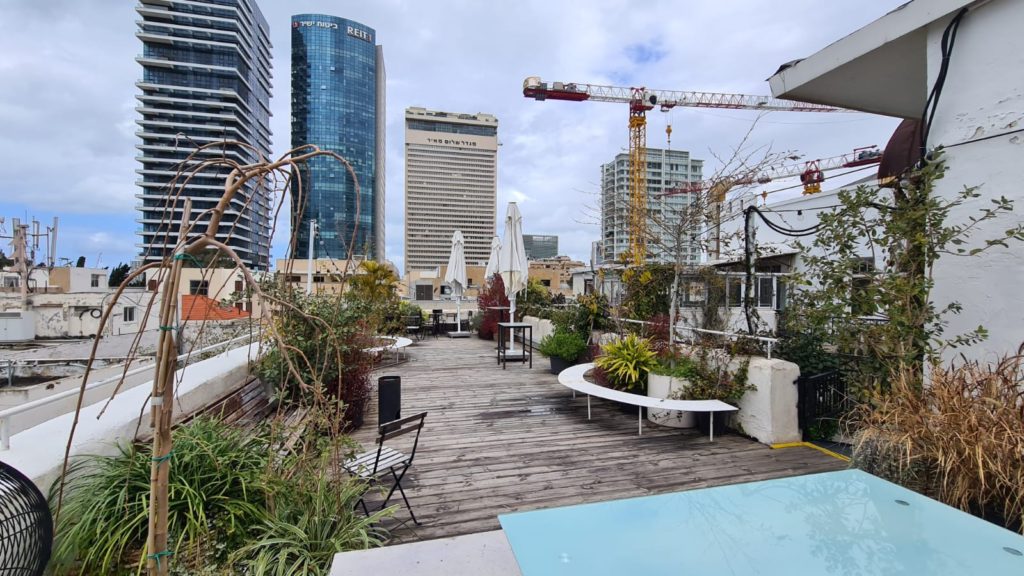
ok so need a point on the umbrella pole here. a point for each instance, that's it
(512, 318)
(458, 313)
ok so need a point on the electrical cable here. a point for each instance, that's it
(982, 138)
(931, 105)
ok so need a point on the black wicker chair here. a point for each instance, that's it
(26, 528)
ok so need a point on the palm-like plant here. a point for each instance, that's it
(627, 361)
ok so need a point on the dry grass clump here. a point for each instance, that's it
(960, 440)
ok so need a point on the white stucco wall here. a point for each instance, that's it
(541, 328)
(77, 315)
(769, 413)
(39, 451)
(983, 96)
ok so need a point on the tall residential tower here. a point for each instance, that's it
(451, 183)
(205, 79)
(666, 169)
(338, 105)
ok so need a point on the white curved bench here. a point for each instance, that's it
(573, 378)
(398, 343)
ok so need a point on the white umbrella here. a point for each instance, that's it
(455, 275)
(512, 264)
(492, 262)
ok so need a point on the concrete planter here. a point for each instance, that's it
(659, 386)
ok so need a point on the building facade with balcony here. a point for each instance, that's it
(206, 78)
(666, 169)
(338, 105)
(451, 183)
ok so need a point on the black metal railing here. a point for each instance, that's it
(822, 398)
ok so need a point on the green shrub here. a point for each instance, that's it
(314, 517)
(565, 345)
(676, 366)
(215, 492)
(710, 379)
(589, 312)
(226, 486)
(626, 362)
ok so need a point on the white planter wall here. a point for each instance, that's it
(768, 413)
(38, 452)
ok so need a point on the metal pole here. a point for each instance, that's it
(588, 406)
(310, 259)
(639, 420)
(5, 433)
(711, 428)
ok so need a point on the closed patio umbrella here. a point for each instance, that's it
(492, 262)
(455, 276)
(512, 263)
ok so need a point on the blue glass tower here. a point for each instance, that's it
(338, 105)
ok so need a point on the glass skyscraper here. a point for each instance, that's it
(338, 105)
(205, 79)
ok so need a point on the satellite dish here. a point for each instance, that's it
(26, 527)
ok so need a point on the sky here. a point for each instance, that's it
(67, 98)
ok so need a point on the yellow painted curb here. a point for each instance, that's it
(813, 446)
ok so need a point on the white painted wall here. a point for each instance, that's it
(983, 95)
(39, 451)
(798, 212)
(769, 413)
(77, 314)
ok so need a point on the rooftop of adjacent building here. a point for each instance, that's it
(414, 112)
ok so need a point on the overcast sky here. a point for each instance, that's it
(67, 97)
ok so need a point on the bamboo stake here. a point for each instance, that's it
(161, 411)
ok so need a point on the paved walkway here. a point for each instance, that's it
(498, 441)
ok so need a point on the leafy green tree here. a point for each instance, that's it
(909, 228)
(5, 261)
(118, 274)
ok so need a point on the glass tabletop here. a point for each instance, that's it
(848, 522)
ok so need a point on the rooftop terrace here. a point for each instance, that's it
(498, 441)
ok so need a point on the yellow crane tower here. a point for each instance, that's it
(641, 100)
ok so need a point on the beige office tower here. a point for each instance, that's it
(451, 183)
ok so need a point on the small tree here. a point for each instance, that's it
(908, 228)
(491, 294)
(118, 274)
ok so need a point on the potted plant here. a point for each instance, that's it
(711, 380)
(626, 362)
(669, 379)
(563, 349)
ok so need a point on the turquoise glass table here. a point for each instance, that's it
(848, 522)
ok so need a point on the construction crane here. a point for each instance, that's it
(811, 174)
(640, 101)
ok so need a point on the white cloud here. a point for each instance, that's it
(66, 104)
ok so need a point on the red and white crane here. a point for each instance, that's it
(811, 173)
(640, 101)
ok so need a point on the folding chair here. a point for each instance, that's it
(374, 465)
(414, 327)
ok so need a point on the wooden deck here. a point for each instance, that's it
(498, 441)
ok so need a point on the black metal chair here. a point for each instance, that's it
(414, 326)
(26, 528)
(438, 318)
(375, 465)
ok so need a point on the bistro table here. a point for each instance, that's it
(503, 311)
(521, 355)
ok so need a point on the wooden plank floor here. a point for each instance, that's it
(498, 441)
